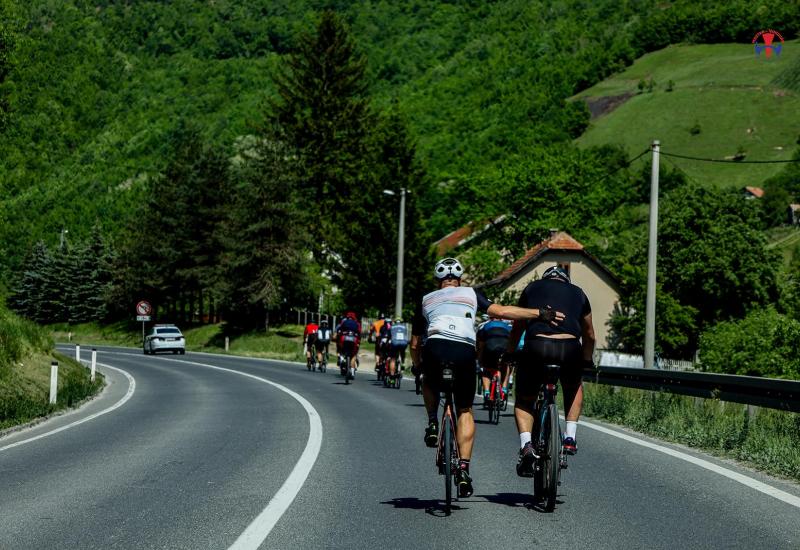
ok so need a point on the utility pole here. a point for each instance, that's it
(401, 231)
(652, 249)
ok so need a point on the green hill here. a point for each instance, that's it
(723, 100)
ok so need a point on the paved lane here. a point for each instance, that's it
(198, 453)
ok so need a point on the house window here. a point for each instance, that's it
(565, 267)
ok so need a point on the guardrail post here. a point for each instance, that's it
(752, 412)
(78, 353)
(53, 382)
(94, 363)
(227, 343)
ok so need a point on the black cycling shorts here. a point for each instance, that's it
(321, 345)
(541, 351)
(436, 353)
(310, 341)
(398, 350)
(491, 360)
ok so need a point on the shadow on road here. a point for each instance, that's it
(432, 507)
(518, 500)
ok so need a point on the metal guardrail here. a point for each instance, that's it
(763, 392)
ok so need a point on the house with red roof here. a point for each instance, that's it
(464, 234)
(600, 285)
(752, 192)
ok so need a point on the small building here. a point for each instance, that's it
(465, 234)
(600, 285)
(794, 214)
(752, 192)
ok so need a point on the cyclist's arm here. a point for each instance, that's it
(587, 337)
(520, 313)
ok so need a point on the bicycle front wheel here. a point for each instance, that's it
(552, 458)
(447, 434)
(498, 405)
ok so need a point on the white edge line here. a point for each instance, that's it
(118, 404)
(774, 492)
(260, 528)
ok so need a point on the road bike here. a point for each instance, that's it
(496, 398)
(447, 454)
(550, 456)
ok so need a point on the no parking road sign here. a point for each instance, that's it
(143, 311)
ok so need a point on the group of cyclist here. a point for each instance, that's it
(317, 340)
(556, 318)
(391, 340)
(552, 325)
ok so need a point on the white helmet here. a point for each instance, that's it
(449, 267)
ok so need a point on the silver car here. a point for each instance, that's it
(164, 338)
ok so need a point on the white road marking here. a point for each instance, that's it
(774, 492)
(260, 528)
(118, 404)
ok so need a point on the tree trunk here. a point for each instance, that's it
(200, 306)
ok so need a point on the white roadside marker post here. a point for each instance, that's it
(94, 363)
(53, 382)
(227, 343)
(78, 353)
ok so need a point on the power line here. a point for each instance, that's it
(730, 161)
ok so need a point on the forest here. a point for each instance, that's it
(227, 159)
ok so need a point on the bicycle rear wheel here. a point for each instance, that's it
(498, 405)
(552, 458)
(447, 433)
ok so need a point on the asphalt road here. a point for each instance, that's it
(196, 454)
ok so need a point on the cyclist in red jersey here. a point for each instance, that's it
(310, 338)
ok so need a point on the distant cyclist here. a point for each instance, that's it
(400, 337)
(492, 341)
(309, 339)
(383, 345)
(323, 341)
(374, 332)
(349, 337)
(569, 345)
(446, 317)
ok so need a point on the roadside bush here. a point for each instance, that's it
(18, 337)
(764, 343)
(769, 440)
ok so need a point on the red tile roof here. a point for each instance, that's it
(558, 241)
(755, 191)
(463, 234)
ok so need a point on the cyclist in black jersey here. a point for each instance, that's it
(446, 319)
(569, 345)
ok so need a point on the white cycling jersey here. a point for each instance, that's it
(449, 314)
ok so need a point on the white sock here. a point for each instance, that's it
(524, 437)
(572, 427)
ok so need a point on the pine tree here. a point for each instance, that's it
(264, 236)
(323, 113)
(26, 298)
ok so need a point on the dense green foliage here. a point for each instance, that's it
(770, 440)
(713, 265)
(236, 157)
(762, 344)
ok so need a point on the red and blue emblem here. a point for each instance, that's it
(765, 41)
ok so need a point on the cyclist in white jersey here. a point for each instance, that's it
(446, 320)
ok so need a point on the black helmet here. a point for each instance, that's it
(556, 272)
